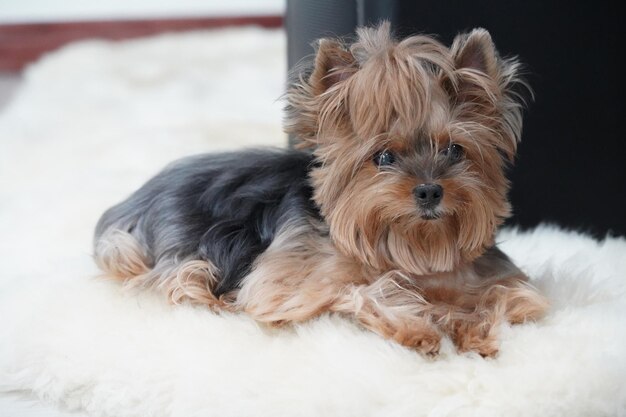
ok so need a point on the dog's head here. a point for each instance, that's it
(412, 140)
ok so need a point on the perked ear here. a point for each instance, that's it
(333, 64)
(488, 88)
(305, 96)
(475, 51)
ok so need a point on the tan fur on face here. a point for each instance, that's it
(392, 95)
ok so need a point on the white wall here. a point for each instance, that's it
(19, 11)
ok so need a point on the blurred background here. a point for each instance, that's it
(30, 28)
(570, 170)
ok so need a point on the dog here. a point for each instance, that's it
(387, 212)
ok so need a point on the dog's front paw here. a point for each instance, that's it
(524, 304)
(476, 337)
(429, 344)
(425, 340)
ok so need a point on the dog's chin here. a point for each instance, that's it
(430, 215)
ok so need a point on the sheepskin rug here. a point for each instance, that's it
(94, 120)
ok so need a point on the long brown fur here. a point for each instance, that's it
(373, 258)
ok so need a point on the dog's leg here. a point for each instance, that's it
(488, 293)
(302, 276)
(122, 257)
(510, 300)
(192, 281)
(393, 311)
(384, 307)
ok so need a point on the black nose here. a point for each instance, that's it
(428, 195)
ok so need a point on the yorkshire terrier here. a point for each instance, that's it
(389, 216)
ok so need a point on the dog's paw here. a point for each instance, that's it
(424, 340)
(476, 337)
(429, 344)
(525, 304)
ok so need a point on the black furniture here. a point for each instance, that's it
(571, 167)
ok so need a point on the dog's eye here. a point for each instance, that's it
(454, 152)
(384, 158)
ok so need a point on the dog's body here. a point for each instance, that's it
(222, 208)
(391, 219)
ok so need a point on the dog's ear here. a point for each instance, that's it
(475, 51)
(306, 96)
(488, 89)
(333, 64)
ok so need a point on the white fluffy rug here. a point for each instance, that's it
(95, 120)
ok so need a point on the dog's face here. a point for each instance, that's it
(412, 139)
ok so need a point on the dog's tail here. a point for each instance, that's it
(119, 254)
